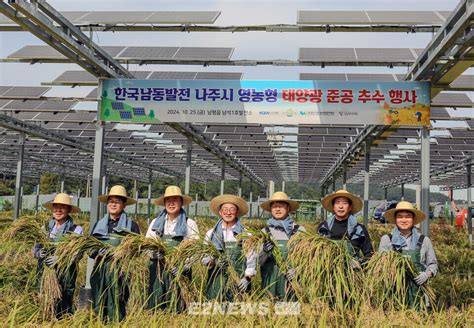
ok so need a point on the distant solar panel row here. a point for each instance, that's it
(135, 17)
(133, 53)
(372, 17)
(85, 78)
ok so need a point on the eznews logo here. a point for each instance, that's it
(245, 308)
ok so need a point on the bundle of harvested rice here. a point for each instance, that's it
(388, 280)
(324, 269)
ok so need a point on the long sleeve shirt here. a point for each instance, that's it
(427, 254)
(251, 264)
(276, 234)
(192, 231)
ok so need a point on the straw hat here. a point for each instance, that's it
(418, 216)
(118, 191)
(280, 196)
(217, 202)
(172, 191)
(357, 203)
(63, 199)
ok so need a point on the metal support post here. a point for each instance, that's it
(19, 175)
(366, 183)
(222, 177)
(469, 202)
(187, 180)
(425, 179)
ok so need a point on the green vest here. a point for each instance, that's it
(218, 286)
(110, 292)
(414, 294)
(273, 279)
(159, 288)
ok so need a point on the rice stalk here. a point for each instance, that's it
(50, 292)
(388, 275)
(324, 272)
(27, 230)
(129, 260)
(71, 248)
(253, 242)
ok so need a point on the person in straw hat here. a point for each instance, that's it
(172, 226)
(223, 236)
(343, 225)
(60, 224)
(109, 293)
(406, 239)
(280, 227)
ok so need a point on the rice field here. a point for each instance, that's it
(353, 299)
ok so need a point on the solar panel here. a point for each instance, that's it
(439, 113)
(92, 94)
(172, 76)
(139, 111)
(115, 17)
(385, 54)
(74, 16)
(371, 77)
(180, 17)
(204, 53)
(218, 76)
(28, 52)
(56, 105)
(25, 92)
(51, 116)
(464, 82)
(445, 99)
(141, 75)
(76, 77)
(81, 117)
(327, 54)
(404, 17)
(117, 106)
(323, 76)
(26, 105)
(126, 115)
(331, 17)
(148, 53)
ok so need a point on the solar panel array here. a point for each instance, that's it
(304, 153)
(121, 53)
(135, 17)
(371, 17)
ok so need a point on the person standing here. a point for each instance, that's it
(172, 226)
(223, 236)
(110, 291)
(281, 228)
(406, 240)
(58, 226)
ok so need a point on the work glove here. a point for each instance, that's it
(42, 253)
(174, 271)
(222, 262)
(50, 260)
(155, 255)
(422, 278)
(188, 263)
(244, 284)
(355, 265)
(290, 274)
(209, 261)
(268, 246)
(98, 252)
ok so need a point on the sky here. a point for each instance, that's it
(250, 45)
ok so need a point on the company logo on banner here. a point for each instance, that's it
(265, 102)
